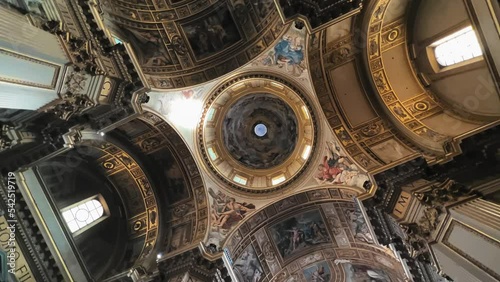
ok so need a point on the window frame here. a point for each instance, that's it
(104, 215)
(436, 66)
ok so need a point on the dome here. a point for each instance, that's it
(260, 131)
(257, 132)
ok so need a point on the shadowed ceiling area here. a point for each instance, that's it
(184, 43)
(260, 131)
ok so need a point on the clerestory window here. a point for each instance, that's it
(82, 215)
(457, 47)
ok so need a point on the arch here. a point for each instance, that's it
(181, 188)
(326, 229)
(185, 44)
(466, 89)
(139, 195)
(96, 167)
(415, 110)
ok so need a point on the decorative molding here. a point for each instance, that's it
(52, 84)
(455, 223)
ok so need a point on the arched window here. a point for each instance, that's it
(457, 47)
(84, 214)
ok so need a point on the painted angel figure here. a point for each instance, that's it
(334, 163)
(226, 211)
(338, 169)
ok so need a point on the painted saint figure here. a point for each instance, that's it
(226, 211)
(336, 168)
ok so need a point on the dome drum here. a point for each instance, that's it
(257, 134)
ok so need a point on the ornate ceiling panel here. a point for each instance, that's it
(183, 43)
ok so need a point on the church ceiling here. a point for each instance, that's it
(180, 185)
(254, 136)
(184, 43)
(201, 113)
(241, 157)
(320, 232)
(219, 105)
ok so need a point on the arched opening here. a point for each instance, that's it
(84, 214)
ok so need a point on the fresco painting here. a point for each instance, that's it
(318, 272)
(299, 232)
(362, 273)
(149, 47)
(287, 54)
(165, 103)
(212, 33)
(247, 267)
(263, 7)
(337, 168)
(175, 183)
(335, 225)
(226, 212)
(358, 224)
(182, 109)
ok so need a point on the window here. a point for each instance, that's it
(117, 40)
(83, 214)
(278, 179)
(458, 47)
(240, 179)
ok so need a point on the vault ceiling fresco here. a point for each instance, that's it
(317, 235)
(267, 139)
(281, 74)
(268, 111)
(183, 43)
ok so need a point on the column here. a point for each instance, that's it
(479, 214)
(33, 63)
(470, 244)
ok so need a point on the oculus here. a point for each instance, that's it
(260, 129)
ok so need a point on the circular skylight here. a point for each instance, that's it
(260, 130)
